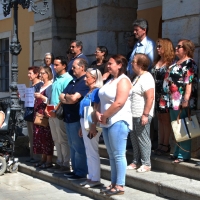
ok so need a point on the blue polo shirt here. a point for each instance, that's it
(59, 84)
(69, 65)
(71, 111)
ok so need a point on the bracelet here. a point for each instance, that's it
(146, 115)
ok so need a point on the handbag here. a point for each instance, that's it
(187, 128)
(41, 120)
(28, 114)
(59, 111)
(88, 110)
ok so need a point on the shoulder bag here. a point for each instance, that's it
(186, 128)
(41, 120)
(59, 111)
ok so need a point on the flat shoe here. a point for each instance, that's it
(92, 184)
(115, 192)
(143, 169)
(131, 166)
(45, 166)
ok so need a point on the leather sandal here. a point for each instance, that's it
(116, 191)
(179, 160)
(161, 152)
(106, 189)
(46, 166)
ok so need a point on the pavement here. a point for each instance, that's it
(18, 186)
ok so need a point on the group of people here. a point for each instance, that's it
(124, 95)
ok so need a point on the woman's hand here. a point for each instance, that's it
(93, 130)
(80, 134)
(37, 95)
(144, 120)
(184, 104)
(98, 116)
(103, 119)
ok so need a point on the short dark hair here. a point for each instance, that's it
(35, 69)
(78, 43)
(105, 51)
(143, 61)
(119, 59)
(142, 23)
(82, 62)
(62, 60)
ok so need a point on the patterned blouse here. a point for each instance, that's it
(159, 75)
(175, 81)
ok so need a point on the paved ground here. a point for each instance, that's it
(19, 186)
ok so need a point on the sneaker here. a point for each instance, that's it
(55, 167)
(69, 174)
(62, 170)
(75, 177)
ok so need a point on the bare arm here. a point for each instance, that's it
(186, 98)
(69, 98)
(123, 89)
(149, 96)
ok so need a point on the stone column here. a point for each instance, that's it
(182, 21)
(54, 30)
(105, 22)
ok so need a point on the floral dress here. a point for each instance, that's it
(160, 101)
(42, 139)
(175, 81)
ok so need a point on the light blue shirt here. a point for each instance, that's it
(146, 46)
(59, 84)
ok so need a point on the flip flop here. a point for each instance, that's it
(115, 192)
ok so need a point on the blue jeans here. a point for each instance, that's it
(77, 149)
(115, 138)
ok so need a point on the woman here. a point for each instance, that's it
(33, 75)
(93, 80)
(142, 108)
(101, 54)
(164, 59)
(180, 86)
(48, 62)
(42, 139)
(115, 118)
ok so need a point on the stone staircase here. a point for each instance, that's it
(166, 180)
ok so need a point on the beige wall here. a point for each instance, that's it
(154, 17)
(25, 20)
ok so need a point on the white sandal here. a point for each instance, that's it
(132, 166)
(143, 169)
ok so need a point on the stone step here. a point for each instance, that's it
(93, 193)
(163, 163)
(158, 182)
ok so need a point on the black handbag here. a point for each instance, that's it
(59, 111)
(28, 114)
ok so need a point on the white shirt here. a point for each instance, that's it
(140, 86)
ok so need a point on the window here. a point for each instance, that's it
(4, 65)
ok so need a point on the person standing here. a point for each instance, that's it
(33, 75)
(71, 97)
(144, 45)
(180, 87)
(115, 119)
(57, 126)
(76, 48)
(164, 59)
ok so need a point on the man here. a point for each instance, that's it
(71, 97)
(76, 48)
(144, 45)
(57, 126)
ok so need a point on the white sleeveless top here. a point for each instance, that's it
(107, 95)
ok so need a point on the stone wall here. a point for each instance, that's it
(105, 22)
(54, 30)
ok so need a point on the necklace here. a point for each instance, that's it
(137, 78)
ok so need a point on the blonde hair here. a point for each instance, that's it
(97, 75)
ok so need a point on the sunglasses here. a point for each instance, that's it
(96, 73)
(179, 46)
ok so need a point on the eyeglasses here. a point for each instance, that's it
(42, 73)
(158, 46)
(96, 73)
(179, 46)
(97, 51)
